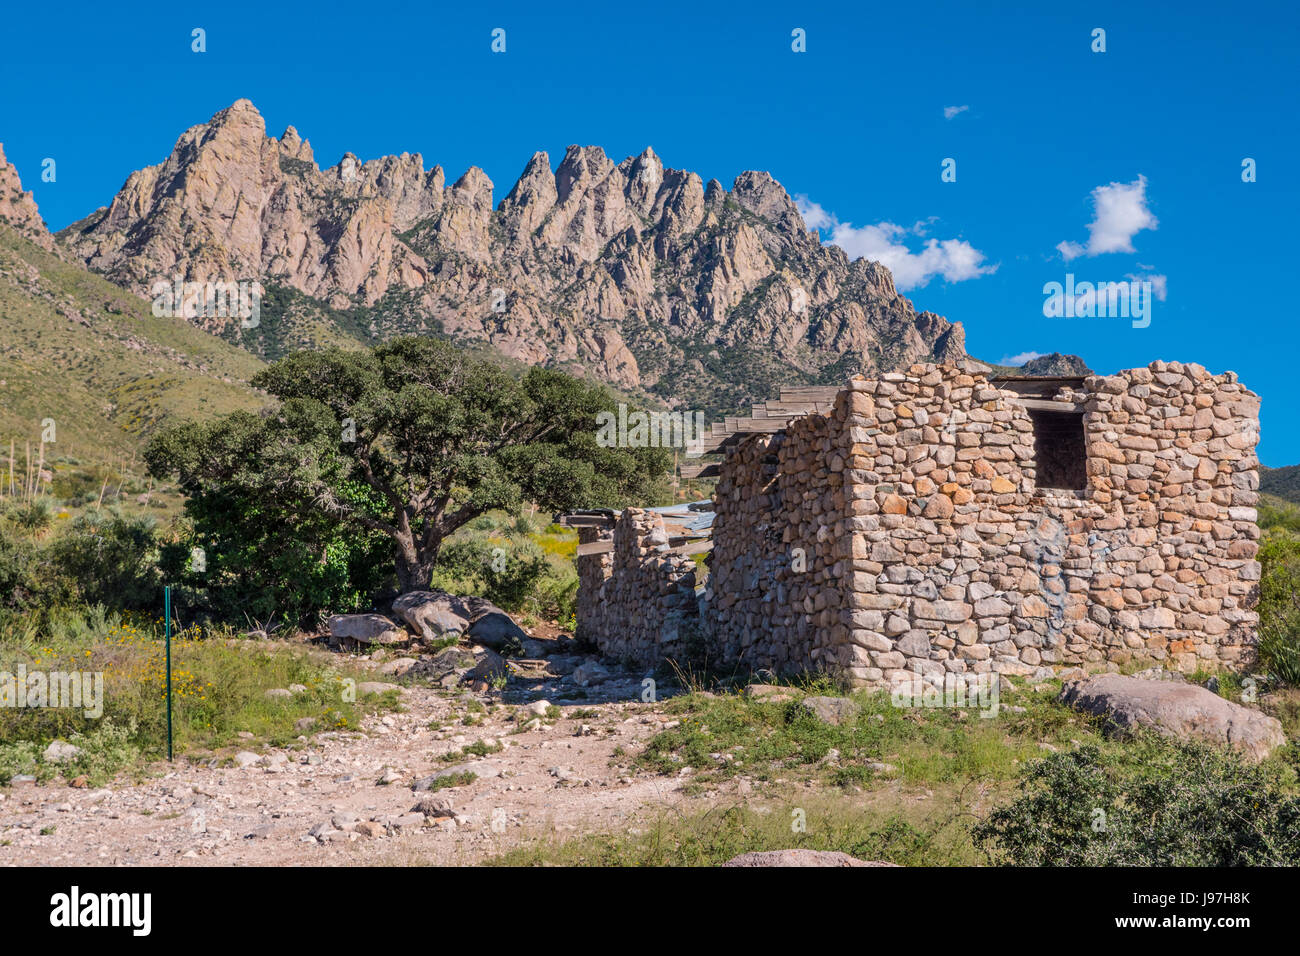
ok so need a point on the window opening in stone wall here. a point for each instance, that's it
(1060, 451)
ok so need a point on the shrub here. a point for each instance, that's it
(1279, 605)
(510, 571)
(112, 559)
(33, 516)
(261, 566)
(17, 572)
(1157, 803)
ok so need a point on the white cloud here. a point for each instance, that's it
(954, 260)
(1119, 213)
(950, 111)
(1159, 282)
(814, 216)
(1020, 359)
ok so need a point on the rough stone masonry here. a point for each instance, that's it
(935, 522)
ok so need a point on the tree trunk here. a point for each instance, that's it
(413, 573)
(414, 568)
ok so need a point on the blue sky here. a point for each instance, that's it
(1040, 127)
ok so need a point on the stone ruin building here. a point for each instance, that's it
(937, 521)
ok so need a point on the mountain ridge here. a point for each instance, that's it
(637, 274)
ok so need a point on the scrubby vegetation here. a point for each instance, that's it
(1279, 590)
(1033, 783)
(288, 517)
(218, 689)
(514, 563)
(1154, 803)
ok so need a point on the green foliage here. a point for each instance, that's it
(1277, 513)
(1279, 590)
(1156, 803)
(919, 837)
(19, 572)
(111, 558)
(93, 357)
(412, 440)
(1282, 482)
(724, 735)
(33, 516)
(462, 779)
(262, 566)
(1279, 606)
(511, 570)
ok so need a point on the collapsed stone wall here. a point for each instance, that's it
(930, 547)
(636, 603)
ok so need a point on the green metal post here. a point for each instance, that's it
(167, 613)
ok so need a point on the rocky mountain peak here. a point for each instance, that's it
(18, 208)
(633, 272)
(766, 198)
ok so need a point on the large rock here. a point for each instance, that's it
(436, 614)
(17, 207)
(801, 858)
(366, 628)
(60, 751)
(490, 669)
(1184, 711)
(433, 614)
(494, 628)
(375, 687)
(447, 666)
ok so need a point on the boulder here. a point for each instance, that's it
(832, 710)
(366, 628)
(433, 614)
(590, 673)
(538, 708)
(493, 628)
(447, 666)
(801, 858)
(433, 807)
(1176, 709)
(491, 667)
(768, 692)
(60, 751)
(398, 667)
(436, 615)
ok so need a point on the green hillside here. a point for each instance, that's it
(79, 350)
(1283, 482)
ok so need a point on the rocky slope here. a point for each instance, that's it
(18, 209)
(641, 275)
(1056, 364)
(91, 356)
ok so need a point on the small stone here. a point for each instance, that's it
(432, 806)
(60, 751)
(831, 710)
(375, 687)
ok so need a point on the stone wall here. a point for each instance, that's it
(636, 603)
(776, 568)
(931, 548)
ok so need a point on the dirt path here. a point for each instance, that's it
(558, 778)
